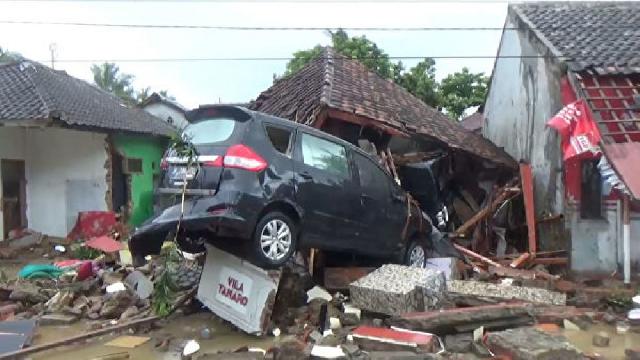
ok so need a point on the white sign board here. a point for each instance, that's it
(234, 289)
(238, 291)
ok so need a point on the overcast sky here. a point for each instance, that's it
(194, 83)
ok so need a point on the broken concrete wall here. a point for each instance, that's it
(65, 174)
(523, 95)
(149, 151)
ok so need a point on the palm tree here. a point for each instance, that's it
(108, 77)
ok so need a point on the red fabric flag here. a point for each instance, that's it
(580, 134)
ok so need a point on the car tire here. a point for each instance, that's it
(274, 240)
(416, 254)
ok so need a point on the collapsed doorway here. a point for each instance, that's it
(14, 195)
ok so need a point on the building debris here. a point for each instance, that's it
(384, 339)
(531, 344)
(507, 292)
(396, 289)
(467, 319)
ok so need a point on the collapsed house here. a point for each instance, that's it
(67, 146)
(434, 158)
(550, 56)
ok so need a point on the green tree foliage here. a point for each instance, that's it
(365, 50)
(456, 93)
(420, 81)
(300, 59)
(6, 56)
(107, 76)
(462, 90)
(358, 47)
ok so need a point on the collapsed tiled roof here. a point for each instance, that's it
(473, 122)
(336, 82)
(599, 36)
(32, 92)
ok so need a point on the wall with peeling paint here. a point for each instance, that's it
(150, 151)
(12, 147)
(524, 93)
(65, 174)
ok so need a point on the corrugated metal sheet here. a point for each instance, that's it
(625, 157)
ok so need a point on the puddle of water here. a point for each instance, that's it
(224, 338)
(619, 342)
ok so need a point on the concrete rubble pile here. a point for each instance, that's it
(446, 310)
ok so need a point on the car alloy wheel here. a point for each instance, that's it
(417, 257)
(275, 239)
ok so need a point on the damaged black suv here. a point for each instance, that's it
(280, 186)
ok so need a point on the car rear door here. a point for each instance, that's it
(211, 135)
(382, 213)
(327, 193)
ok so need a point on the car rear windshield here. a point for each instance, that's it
(210, 131)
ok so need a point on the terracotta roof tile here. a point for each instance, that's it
(337, 82)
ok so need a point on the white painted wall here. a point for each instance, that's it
(12, 147)
(65, 174)
(524, 93)
(165, 112)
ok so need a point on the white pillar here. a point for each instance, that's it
(626, 235)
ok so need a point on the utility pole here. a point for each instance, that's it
(53, 48)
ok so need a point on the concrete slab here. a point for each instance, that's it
(534, 295)
(396, 289)
(531, 344)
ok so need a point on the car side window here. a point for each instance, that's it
(280, 138)
(371, 176)
(324, 155)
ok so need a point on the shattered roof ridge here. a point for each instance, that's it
(47, 101)
(329, 69)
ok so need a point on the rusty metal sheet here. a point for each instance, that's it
(624, 158)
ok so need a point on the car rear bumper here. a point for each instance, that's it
(220, 223)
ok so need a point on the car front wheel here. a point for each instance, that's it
(274, 240)
(416, 255)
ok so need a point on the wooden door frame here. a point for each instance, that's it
(22, 196)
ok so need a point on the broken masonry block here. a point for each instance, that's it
(507, 292)
(396, 289)
(531, 344)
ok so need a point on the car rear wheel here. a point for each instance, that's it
(416, 255)
(274, 239)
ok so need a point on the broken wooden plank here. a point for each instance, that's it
(504, 194)
(450, 320)
(521, 273)
(520, 260)
(530, 214)
(477, 256)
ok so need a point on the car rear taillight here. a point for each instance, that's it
(164, 164)
(243, 157)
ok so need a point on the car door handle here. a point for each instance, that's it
(306, 175)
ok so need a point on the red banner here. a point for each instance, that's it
(580, 134)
